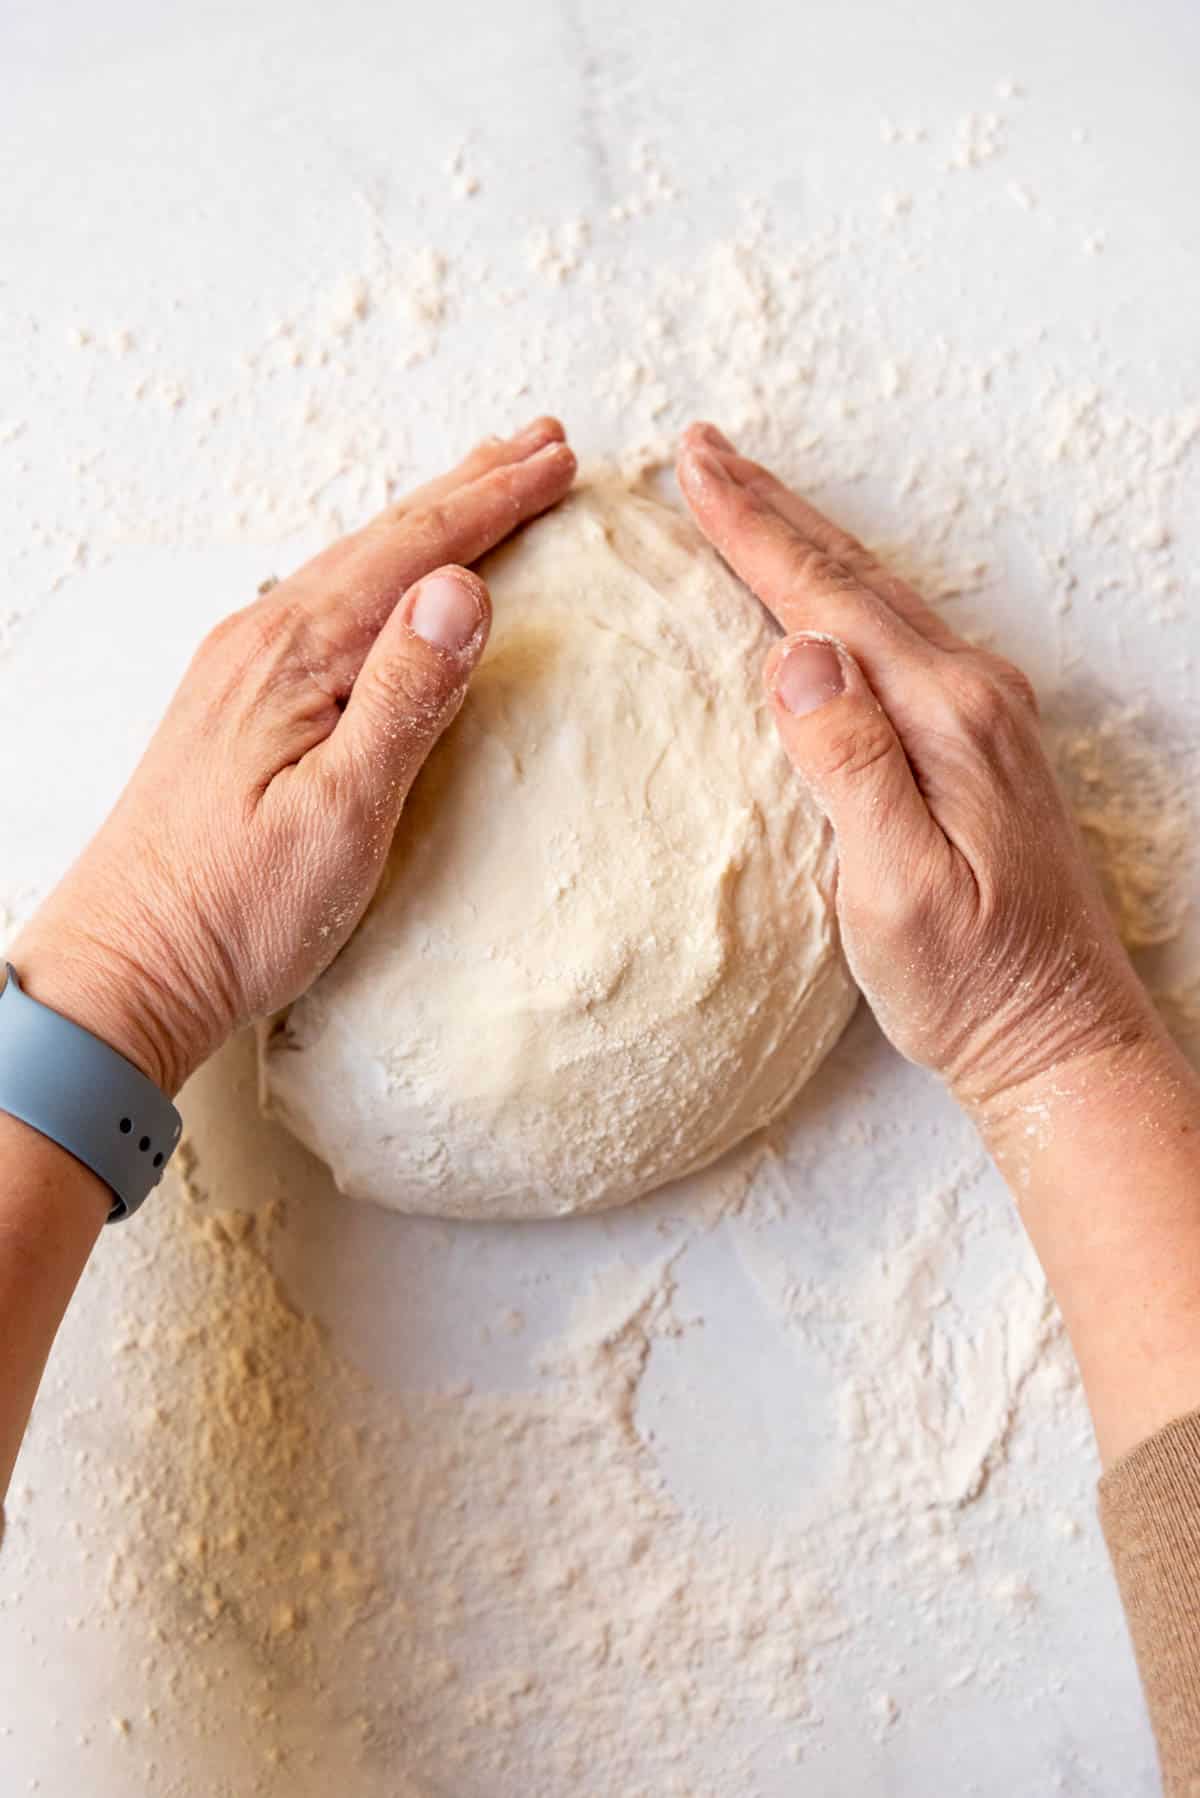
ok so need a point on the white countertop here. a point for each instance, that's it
(266, 264)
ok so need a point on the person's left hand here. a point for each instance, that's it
(969, 913)
(253, 833)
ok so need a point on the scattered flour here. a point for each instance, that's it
(1130, 795)
(283, 1530)
(778, 334)
(424, 1593)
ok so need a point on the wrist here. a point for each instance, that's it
(1096, 1089)
(1102, 1156)
(1055, 1039)
(116, 994)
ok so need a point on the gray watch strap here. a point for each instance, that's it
(73, 1088)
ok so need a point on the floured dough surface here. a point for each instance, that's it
(603, 950)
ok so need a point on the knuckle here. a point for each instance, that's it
(1017, 685)
(429, 529)
(982, 703)
(334, 786)
(426, 522)
(413, 688)
(853, 749)
(347, 804)
(993, 692)
(341, 792)
(225, 633)
(837, 563)
(244, 637)
(855, 558)
(435, 518)
(817, 571)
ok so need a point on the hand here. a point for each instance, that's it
(978, 933)
(252, 835)
(970, 916)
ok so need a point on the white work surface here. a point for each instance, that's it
(265, 265)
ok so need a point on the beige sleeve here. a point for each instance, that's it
(1150, 1514)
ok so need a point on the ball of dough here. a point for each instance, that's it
(603, 950)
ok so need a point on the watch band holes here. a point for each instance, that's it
(158, 1160)
(125, 1126)
(144, 1144)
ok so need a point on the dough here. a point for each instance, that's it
(603, 950)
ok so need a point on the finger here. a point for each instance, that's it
(826, 537)
(701, 434)
(807, 589)
(493, 452)
(470, 520)
(841, 741)
(409, 688)
(341, 610)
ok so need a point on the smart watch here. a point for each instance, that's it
(68, 1085)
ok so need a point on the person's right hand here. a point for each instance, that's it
(970, 916)
(248, 843)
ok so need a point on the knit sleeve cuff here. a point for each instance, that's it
(1150, 1515)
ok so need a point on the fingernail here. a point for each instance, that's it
(537, 431)
(717, 438)
(445, 612)
(553, 452)
(809, 673)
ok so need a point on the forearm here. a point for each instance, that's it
(980, 938)
(1103, 1158)
(52, 1207)
(252, 835)
(51, 1211)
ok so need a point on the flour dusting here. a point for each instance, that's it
(304, 1580)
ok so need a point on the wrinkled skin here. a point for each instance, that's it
(253, 833)
(971, 917)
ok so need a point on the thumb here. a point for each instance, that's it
(411, 685)
(841, 741)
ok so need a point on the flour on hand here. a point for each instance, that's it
(604, 949)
